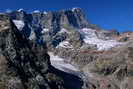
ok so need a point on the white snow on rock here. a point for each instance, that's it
(19, 24)
(54, 58)
(19, 10)
(73, 9)
(101, 44)
(36, 11)
(90, 37)
(45, 30)
(59, 63)
(65, 44)
(45, 12)
(32, 35)
(91, 33)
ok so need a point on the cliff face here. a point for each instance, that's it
(50, 27)
(25, 64)
(58, 27)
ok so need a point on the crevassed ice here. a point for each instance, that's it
(19, 24)
(101, 44)
(90, 37)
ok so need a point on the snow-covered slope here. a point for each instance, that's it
(19, 24)
(90, 37)
(59, 63)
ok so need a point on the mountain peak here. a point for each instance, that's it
(76, 9)
(36, 11)
(20, 10)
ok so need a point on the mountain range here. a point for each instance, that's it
(62, 50)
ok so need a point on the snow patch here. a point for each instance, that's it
(101, 44)
(90, 37)
(73, 9)
(45, 12)
(32, 35)
(45, 30)
(19, 24)
(54, 58)
(19, 10)
(36, 11)
(65, 44)
(59, 63)
(91, 33)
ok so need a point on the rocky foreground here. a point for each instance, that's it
(26, 65)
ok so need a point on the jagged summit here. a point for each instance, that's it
(42, 11)
(20, 10)
(64, 26)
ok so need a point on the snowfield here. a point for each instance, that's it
(90, 37)
(59, 63)
(19, 24)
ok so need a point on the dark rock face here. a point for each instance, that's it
(25, 64)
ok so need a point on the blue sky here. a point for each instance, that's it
(108, 14)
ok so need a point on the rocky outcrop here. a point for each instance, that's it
(49, 26)
(25, 64)
(111, 69)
